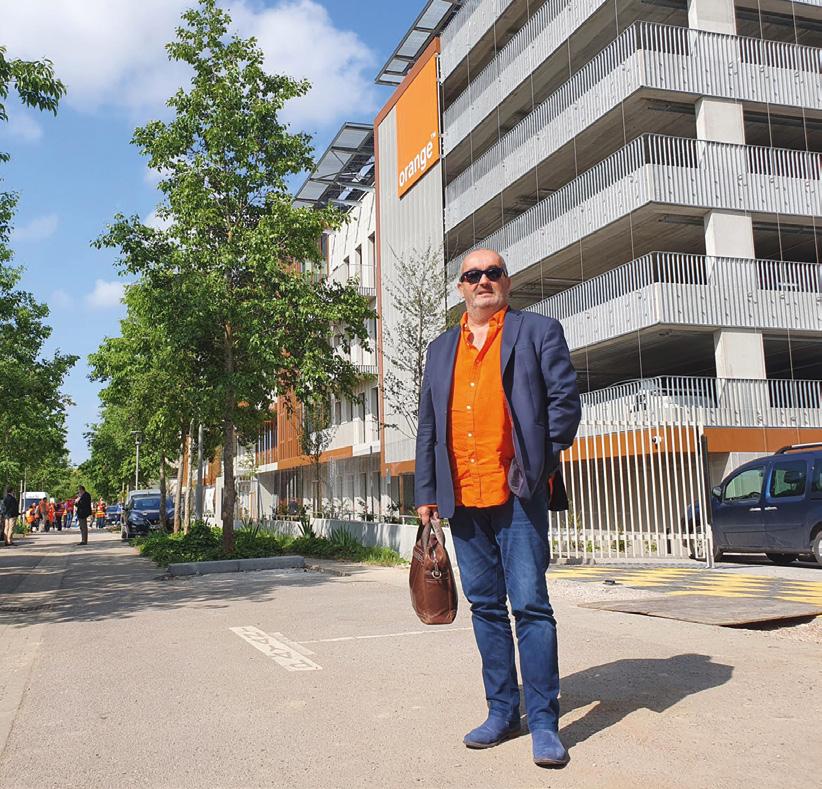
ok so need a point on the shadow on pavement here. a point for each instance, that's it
(624, 686)
(105, 579)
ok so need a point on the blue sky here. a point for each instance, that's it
(75, 171)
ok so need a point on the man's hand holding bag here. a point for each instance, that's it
(433, 587)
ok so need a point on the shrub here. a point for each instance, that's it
(204, 543)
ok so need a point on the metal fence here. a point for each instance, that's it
(711, 402)
(661, 169)
(471, 22)
(694, 290)
(638, 490)
(647, 55)
(535, 42)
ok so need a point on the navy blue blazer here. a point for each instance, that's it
(541, 388)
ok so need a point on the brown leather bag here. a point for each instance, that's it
(433, 587)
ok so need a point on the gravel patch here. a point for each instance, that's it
(594, 592)
(809, 632)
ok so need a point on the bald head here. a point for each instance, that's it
(484, 294)
(483, 258)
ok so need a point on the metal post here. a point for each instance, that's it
(198, 498)
(137, 439)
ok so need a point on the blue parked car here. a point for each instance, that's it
(771, 505)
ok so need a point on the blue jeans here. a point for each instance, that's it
(503, 553)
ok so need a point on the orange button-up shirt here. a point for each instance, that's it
(480, 441)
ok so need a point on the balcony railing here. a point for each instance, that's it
(474, 19)
(667, 170)
(646, 55)
(694, 290)
(539, 38)
(711, 402)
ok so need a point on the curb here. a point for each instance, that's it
(237, 565)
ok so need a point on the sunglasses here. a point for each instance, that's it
(474, 275)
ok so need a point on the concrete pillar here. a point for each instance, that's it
(739, 353)
(729, 234)
(721, 120)
(716, 16)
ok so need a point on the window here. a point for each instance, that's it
(358, 263)
(375, 403)
(372, 250)
(369, 275)
(745, 485)
(788, 479)
(816, 479)
(347, 264)
(337, 412)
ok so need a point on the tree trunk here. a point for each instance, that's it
(229, 439)
(190, 475)
(163, 513)
(178, 493)
(229, 491)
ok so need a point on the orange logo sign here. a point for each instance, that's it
(418, 128)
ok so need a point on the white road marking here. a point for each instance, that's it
(387, 635)
(287, 656)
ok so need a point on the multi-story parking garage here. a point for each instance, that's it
(650, 170)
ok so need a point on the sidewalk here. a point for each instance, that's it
(131, 680)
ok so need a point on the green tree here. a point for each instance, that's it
(32, 409)
(33, 81)
(316, 434)
(235, 240)
(151, 388)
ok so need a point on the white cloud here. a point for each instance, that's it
(111, 52)
(157, 222)
(59, 298)
(106, 294)
(153, 177)
(37, 229)
(22, 126)
(299, 38)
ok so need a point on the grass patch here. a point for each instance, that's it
(205, 543)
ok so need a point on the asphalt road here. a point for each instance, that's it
(115, 677)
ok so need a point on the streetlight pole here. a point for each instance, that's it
(137, 439)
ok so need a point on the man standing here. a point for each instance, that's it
(498, 403)
(82, 506)
(11, 511)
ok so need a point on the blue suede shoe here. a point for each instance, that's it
(492, 732)
(548, 749)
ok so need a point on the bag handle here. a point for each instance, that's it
(434, 525)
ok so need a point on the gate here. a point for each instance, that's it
(636, 489)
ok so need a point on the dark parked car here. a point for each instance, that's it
(771, 505)
(142, 515)
(114, 514)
